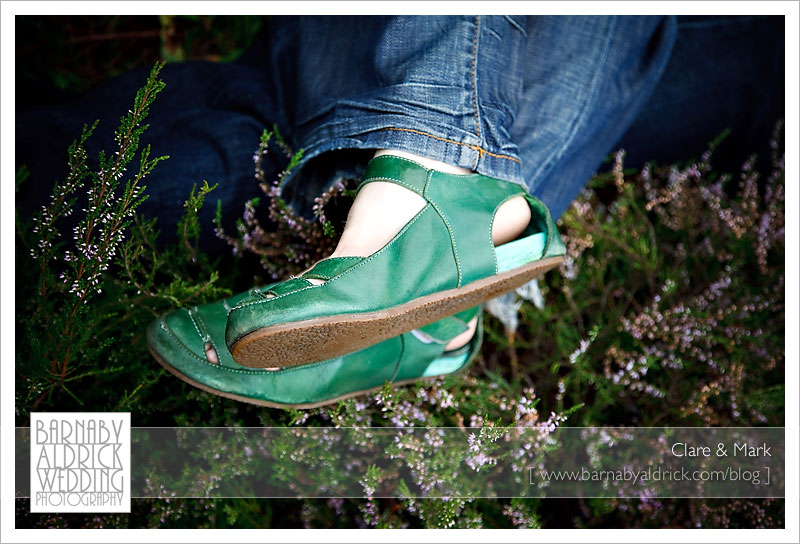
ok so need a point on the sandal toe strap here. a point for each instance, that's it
(323, 270)
(286, 287)
(328, 268)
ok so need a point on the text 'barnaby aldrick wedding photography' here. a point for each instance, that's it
(80, 463)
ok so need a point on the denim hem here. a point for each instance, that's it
(451, 150)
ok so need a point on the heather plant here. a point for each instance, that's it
(84, 296)
(71, 274)
(684, 324)
(288, 243)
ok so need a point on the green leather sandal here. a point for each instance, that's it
(441, 262)
(178, 341)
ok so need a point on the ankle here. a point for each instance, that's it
(379, 212)
(382, 209)
(511, 220)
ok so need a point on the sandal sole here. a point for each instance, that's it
(305, 342)
(303, 406)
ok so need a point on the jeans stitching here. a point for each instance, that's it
(473, 147)
(475, 85)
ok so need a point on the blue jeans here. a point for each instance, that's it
(533, 100)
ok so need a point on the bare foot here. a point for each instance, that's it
(211, 353)
(381, 209)
(463, 338)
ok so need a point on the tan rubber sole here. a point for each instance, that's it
(304, 406)
(305, 342)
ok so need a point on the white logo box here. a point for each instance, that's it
(80, 462)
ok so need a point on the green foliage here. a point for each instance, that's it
(89, 296)
(189, 225)
(74, 53)
(67, 279)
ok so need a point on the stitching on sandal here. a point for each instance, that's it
(311, 275)
(276, 297)
(449, 230)
(384, 178)
(194, 355)
(197, 327)
(420, 164)
(272, 289)
(210, 340)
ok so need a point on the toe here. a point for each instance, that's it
(464, 337)
(211, 353)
